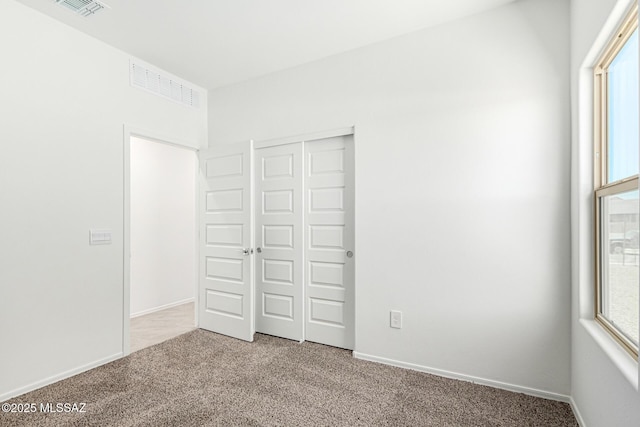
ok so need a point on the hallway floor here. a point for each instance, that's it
(162, 325)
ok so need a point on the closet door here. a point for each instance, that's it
(329, 241)
(225, 274)
(278, 239)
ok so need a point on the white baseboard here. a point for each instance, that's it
(456, 376)
(162, 307)
(58, 377)
(576, 413)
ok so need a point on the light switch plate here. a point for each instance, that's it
(99, 237)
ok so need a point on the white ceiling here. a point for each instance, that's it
(214, 43)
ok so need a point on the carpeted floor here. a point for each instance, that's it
(205, 379)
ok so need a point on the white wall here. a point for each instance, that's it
(163, 225)
(462, 187)
(65, 99)
(604, 378)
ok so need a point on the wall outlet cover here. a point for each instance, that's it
(396, 319)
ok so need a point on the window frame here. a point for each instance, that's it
(602, 188)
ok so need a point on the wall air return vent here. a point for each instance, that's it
(84, 8)
(160, 83)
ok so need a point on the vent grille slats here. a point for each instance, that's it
(165, 86)
(75, 4)
(157, 82)
(82, 7)
(91, 9)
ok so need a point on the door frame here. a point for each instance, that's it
(350, 130)
(154, 136)
(313, 136)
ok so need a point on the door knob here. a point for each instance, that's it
(246, 252)
(259, 250)
(349, 254)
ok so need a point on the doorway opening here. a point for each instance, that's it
(162, 239)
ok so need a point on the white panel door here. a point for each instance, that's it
(329, 241)
(278, 240)
(225, 273)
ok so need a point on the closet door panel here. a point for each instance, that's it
(329, 242)
(279, 248)
(225, 267)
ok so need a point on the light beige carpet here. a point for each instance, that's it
(205, 379)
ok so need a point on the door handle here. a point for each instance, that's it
(246, 251)
(349, 254)
(259, 250)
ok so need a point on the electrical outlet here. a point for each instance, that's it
(396, 319)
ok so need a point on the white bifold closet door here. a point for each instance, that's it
(329, 241)
(303, 211)
(225, 298)
(279, 250)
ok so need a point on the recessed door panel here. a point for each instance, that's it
(277, 166)
(224, 304)
(326, 312)
(326, 236)
(326, 161)
(277, 236)
(222, 201)
(326, 274)
(278, 306)
(279, 213)
(326, 199)
(225, 235)
(225, 269)
(277, 271)
(277, 202)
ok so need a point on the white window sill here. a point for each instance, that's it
(620, 358)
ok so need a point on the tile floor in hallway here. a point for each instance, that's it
(154, 328)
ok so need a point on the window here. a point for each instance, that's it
(617, 160)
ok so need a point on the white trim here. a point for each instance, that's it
(356, 248)
(456, 376)
(576, 412)
(305, 137)
(607, 32)
(252, 237)
(162, 307)
(196, 251)
(159, 137)
(58, 377)
(126, 240)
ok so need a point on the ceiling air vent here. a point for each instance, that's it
(163, 84)
(82, 7)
